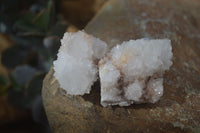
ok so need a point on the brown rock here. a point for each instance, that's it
(179, 108)
(79, 12)
(72, 28)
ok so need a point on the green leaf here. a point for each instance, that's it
(3, 81)
(35, 24)
(28, 17)
(15, 85)
(43, 19)
(3, 85)
(26, 97)
(25, 25)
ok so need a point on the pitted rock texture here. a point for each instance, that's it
(178, 111)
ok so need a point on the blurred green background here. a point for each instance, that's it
(30, 33)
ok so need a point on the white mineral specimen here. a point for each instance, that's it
(76, 65)
(133, 72)
(130, 73)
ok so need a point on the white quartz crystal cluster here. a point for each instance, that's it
(76, 67)
(131, 72)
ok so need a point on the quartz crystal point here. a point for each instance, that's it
(133, 72)
(76, 65)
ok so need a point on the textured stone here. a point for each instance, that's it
(79, 12)
(179, 108)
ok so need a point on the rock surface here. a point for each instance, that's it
(179, 108)
(79, 12)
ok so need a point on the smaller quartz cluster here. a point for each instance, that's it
(75, 68)
(131, 72)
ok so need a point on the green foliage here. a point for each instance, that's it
(19, 54)
(25, 24)
(35, 24)
(43, 19)
(24, 97)
(4, 83)
(36, 30)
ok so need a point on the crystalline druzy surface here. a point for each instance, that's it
(76, 65)
(133, 72)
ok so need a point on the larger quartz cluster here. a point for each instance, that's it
(131, 72)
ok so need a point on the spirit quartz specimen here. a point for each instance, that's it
(129, 73)
(75, 67)
(133, 72)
